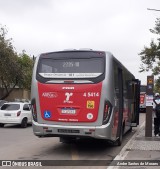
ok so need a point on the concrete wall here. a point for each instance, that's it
(16, 94)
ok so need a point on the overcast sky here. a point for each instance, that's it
(119, 26)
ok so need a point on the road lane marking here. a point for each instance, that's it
(74, 152)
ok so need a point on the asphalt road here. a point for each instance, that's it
(17, 143)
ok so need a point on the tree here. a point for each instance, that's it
(12, 67)
(157, 85)
(150, 56)
(26, 64)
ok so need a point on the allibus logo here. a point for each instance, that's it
(68, 95)
(49, 94)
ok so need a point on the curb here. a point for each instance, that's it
(123, 153)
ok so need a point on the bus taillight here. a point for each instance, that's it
(34, 110)
(107, 112)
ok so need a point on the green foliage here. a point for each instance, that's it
(9, 68)
(150, 56)
(156, 29)
(157, 86)
(14, 70)
(26, 64)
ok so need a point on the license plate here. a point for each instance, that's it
(68, 131)
(7, 114)
(68, 111)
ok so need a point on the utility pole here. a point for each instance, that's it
(149, 106)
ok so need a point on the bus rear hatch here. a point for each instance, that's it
(69, 85)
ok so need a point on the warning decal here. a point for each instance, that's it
(90, 104)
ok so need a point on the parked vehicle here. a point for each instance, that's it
(15, 113)
(2, 102)
(142, 104)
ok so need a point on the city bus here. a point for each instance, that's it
(83, 94)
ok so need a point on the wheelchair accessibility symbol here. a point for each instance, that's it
(47, 114)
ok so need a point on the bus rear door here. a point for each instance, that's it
(136, 100)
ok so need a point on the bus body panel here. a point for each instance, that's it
(99, 132)
(106, 86)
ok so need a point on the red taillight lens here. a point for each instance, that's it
(18, 113)
(107, 112)
(142, 97)
(34, 110)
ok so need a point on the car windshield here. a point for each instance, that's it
(10, 107)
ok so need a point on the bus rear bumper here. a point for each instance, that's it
(99, 132)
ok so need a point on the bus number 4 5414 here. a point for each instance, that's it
(91, 94)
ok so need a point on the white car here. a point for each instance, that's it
(15, 113)
(2, 102)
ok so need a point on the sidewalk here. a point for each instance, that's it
(140, 148)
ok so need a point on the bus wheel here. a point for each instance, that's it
(119, 140)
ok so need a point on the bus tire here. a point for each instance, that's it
(118, 142)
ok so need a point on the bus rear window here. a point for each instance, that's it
(71, 68)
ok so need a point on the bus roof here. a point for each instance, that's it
(86, 50)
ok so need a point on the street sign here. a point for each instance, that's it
(150, 85)
(149, 100)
